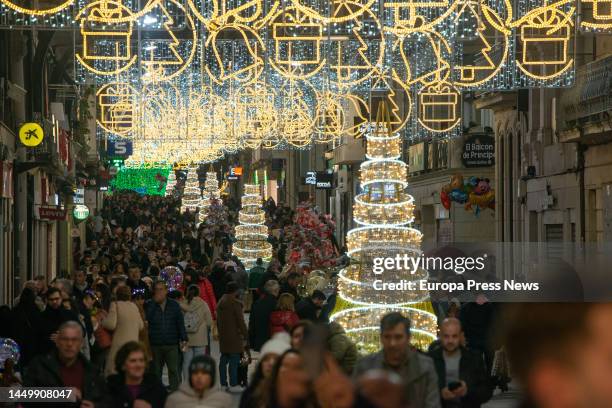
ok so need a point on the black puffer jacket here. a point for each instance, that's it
(151, 391)
(166, 327)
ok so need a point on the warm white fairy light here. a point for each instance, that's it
(191, 194)
(384, 213)
(171, 183)
(211, 192)
(252, 234)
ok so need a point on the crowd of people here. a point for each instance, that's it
(152, 293)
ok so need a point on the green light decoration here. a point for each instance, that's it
(144, 180)
(80, 212)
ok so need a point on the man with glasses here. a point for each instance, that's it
(166, 333)
(67, 367)
(53, 317)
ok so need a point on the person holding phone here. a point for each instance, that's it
(461, 374)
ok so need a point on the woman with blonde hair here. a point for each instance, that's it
(124, 321)
(284, 317)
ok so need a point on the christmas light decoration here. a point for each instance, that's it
(384, 213)
(211, 192)
(149, 180)
(171, 183)
(191, 193)
(252, 235)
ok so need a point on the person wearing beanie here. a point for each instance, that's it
(200, 390)
(270, 351)
(232, 336)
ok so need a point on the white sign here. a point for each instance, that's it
(79, 196)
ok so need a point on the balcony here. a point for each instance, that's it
(587, 106)
(349, 150)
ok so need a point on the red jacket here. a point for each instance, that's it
(282, 320)
(208, 295)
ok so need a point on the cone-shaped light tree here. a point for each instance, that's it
(383, 213)
(191, 193)
(252, 234)
(171, 183)
(211, 192)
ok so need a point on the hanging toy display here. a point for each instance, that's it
(476, 193)
(172, 276)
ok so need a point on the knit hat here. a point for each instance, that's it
(278, 344)
(203, 363)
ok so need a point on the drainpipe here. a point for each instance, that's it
(581, 149)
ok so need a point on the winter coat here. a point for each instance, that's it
(124, 321)
(342, 347)
(259, 330)
(418, 374)
(207, 294)
(307, 310)
(166, 327)
(44, 371)
(185, 397)
(230, 325)
(51, 320)
(199, 307)
(282, 320)
(151, 390)
(472, 371)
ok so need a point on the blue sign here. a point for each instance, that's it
(119, 148)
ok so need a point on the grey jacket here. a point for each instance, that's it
(417, 373)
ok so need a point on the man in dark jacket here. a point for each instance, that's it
(52, 318)
(290, 286)
(67, 367)
(416, 370)
(461, 374)
(310, 308)
(166, 332)
(259, 319)
(136, 283)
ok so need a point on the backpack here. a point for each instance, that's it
(191, 322)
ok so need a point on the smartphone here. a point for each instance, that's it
(453, 385)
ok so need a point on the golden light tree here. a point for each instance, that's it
(191, 193)
(252, 235)
(211, 192)
(171, 183)
(384, 213)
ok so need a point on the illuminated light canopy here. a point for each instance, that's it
(252, 235)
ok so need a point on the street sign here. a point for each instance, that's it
(31, 134)
(119, 148)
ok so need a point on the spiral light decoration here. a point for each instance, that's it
(171, 183)
(211, 192)
(191, 193)
(252, 234)
(384, 213)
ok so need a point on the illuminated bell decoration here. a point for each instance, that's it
(252, 234)
(384, 213)
(191, 194)
(80, 212)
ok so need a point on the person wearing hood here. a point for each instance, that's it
(198, 319)
(342, 347)
(199, 391)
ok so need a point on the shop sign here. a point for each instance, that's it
(324, 180)
(119, 148)
(31, 134)
(80, 212)
(51, 213)
(311, 178)
(234, 173)
(479, 151)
